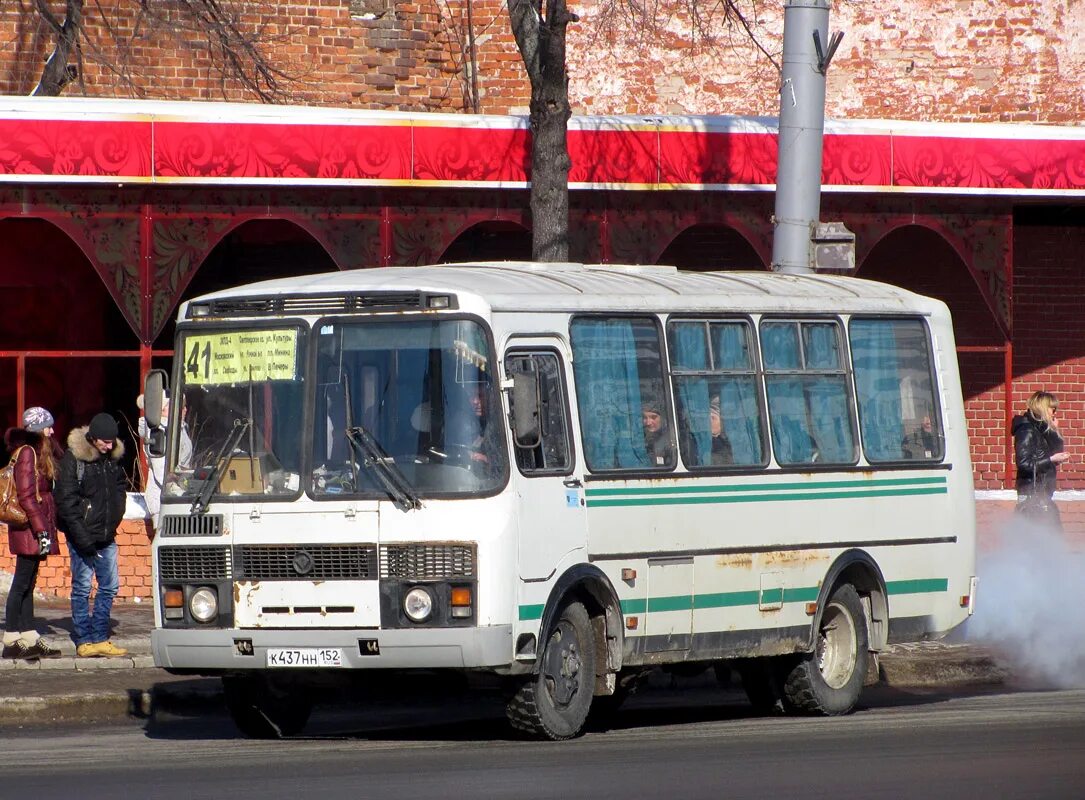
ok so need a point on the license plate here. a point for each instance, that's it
(304, 657)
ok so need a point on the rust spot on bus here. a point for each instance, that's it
(795, 558)
(735, 561)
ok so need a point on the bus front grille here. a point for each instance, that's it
(309, 562)
(192, 525)
(199, 563)
(416, 562)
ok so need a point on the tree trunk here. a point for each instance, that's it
(542, 46)
(57, 73)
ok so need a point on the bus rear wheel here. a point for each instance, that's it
(262, 709)
(829, 680)
(555, 702)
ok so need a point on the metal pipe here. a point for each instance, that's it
(801, 126)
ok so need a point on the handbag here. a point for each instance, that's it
(11, 512)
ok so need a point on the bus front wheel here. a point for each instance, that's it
(554, 703)
(261, 709)
(829, 680)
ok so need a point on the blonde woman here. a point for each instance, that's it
(36, 457)
(1039, 449)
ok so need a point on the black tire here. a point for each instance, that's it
(828, 681)
(262, 710)
(555, 702)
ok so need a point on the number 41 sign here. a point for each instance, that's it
(240, 356)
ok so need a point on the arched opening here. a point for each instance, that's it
(257, 250)
(919, 259)
(496, 240)
(711, 247)
(55, 303)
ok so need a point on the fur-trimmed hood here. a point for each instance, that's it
(15, 438)
(85, 451)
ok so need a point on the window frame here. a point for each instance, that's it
(936, 390)
(845, 369)
(304, 351)
(629, 473)
(756, 372)
(360, 319)
(521, 350)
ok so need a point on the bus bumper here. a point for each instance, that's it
(213, 650)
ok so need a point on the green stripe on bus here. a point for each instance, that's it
(770, 498)
(699, 602)
(725, 599)
(762, 487)
(803, 595)
(920, 586)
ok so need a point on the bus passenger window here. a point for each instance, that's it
(715, 390)
(808, 396)
(551, 455)
(625, 418)
(894, 382)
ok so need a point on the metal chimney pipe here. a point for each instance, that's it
(802, 125)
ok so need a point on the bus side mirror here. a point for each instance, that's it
(154, 392)
(525, 407)
(156, 442)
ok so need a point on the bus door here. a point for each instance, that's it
(551, 498)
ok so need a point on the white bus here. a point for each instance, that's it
(562, 475)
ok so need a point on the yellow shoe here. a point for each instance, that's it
(110, 650)
(89, 650)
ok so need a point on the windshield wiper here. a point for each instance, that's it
(214, 477)
(390, 476)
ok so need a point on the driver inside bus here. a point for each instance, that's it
(481, 440)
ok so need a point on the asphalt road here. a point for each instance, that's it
(1018, 745)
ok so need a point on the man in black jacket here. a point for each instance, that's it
(91, 495)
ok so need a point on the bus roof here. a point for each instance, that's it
(531, 286)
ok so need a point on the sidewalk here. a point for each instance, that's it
(110, 689)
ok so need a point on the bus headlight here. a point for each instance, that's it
(418, 604)
(203, 604)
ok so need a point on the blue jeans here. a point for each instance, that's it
(103, 567)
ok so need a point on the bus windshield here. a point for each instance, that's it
(242, 395)
(422, 394)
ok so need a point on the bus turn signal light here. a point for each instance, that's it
(173, 598)
(461, 601)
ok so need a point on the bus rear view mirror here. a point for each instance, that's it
(154, 393)
(525, 404)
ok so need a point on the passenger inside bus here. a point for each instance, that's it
(722, 454)
(657, 439)
(922, 443)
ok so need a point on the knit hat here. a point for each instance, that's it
(103, 427)
(37, 419)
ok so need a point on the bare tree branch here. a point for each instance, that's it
(236, 49)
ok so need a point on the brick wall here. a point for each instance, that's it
(945, 60)
(1049, 329)
(133, 564)
(366, 53)
(949, 60)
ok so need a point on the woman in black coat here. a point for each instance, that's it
(1039, 450)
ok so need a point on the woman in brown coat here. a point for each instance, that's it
(35, 455)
